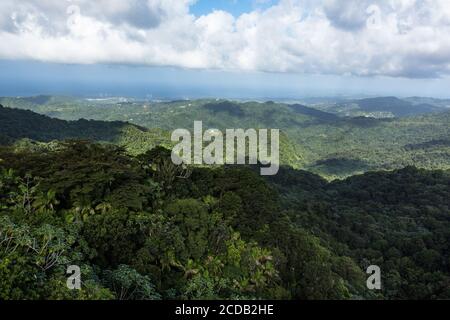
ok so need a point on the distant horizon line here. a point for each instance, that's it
(149, 97)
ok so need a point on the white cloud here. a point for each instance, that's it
(361, 37)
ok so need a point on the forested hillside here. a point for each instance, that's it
(317, 141)
(106, 196)
(143, 228)
(398, 220)
(386, 107)
(26, 129)
(17, 125)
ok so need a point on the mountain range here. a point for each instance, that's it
(144, 228)
(322, 142)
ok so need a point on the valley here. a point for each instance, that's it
(93, 183)
(321, 142)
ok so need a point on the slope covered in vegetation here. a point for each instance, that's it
(312, 140)
(317, 141)
(142, 228)
(16, 125)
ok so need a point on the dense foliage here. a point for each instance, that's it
(143, 228)
(397, 220)
(313, 140)
(140, 227)
(26, 129)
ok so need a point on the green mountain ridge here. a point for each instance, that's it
(321, 142)
(19, 126)
(16, 124)
(385, 107)
(141, 227)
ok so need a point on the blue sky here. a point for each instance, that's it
(235, 7)
(205, 48)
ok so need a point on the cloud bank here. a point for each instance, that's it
(396, 38)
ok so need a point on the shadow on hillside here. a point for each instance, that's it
(18, 124)
(340, 167)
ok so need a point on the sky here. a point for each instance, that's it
(234, 7)
(225, 48)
